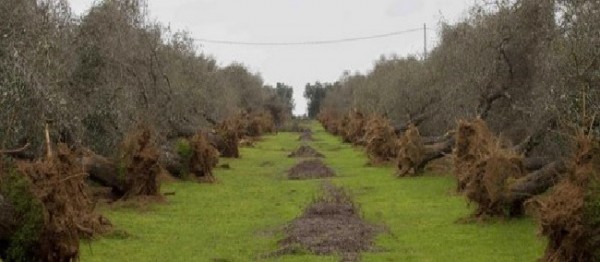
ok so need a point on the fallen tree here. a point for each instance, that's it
(103, 172)
(568, 215)
(415, 152)
(381, 140)
(495, 176)
(50, 207)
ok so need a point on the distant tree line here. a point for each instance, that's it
(95, 76)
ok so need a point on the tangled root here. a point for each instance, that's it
(485, 168)
(354, 131)
(53, 207)
(140, 160)
(473, 140)
(204, 158)
(229, 136)
(569, 215)
(381, 141)
(411, 151)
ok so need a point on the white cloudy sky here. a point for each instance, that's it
(303, 20)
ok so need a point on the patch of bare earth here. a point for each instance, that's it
(310, 169)
(305, 151)
(330, 225)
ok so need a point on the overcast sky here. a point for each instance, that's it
(303, 20)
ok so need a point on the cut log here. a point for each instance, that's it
(104, 172)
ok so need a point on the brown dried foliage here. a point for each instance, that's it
(140, 159)
(330, 121)
(259, 124)
(486, 170)
(570, 214)
(204, 158)
(68, 211)
(381, 140)
(488, 182)
(354, 131)
(229, 135)
(411, 151)
(472, 141)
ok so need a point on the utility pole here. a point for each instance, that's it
(424, 41)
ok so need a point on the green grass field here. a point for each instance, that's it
(239, 218)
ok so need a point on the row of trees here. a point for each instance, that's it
(525, 66)
(96, 76)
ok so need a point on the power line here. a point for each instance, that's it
(317, 42)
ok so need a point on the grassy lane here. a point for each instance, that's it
(233, 220)
(236, 219)
(421, 214)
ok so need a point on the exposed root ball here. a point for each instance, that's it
(489, 181)
(61, 199)
(411, 151)
(310, 169)
(228, 138)
(569, 215)
(472, 141)
(203, 159)
(305, 151)
(355, 128)
(140, 159)
(330, 121)
(260, 123)
(330, 225)
(485, 170)
(381, 140)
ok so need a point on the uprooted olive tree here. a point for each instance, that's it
(569, 215)
(45, 208)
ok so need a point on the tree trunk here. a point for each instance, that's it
(435, 151)
(431, 152)
(103, 172)
(536, 183)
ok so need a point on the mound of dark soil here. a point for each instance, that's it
(330, 225)
(305, 151)
(310, 169)
(306, 136)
